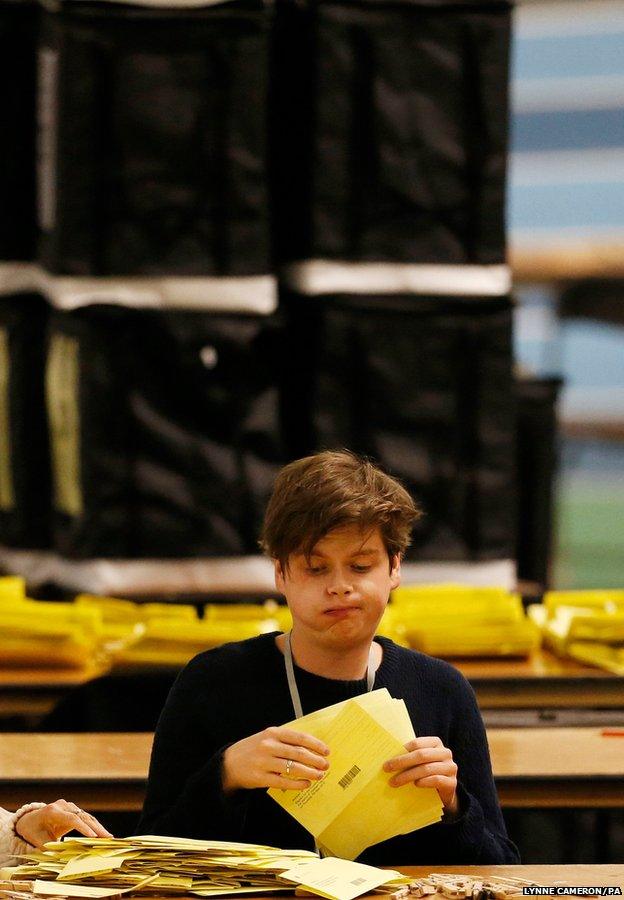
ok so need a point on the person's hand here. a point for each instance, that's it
(49, 823)
(428, 763)
(277, 757)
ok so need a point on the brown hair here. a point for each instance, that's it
(316, 494)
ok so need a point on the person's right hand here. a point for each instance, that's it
(277, 757)
(49, 823)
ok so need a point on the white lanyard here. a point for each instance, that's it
(292, 683)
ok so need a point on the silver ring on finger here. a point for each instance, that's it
(289, 764)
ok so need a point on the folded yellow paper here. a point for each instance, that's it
(338, 879)
(353, 806)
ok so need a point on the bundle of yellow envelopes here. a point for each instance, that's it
(354, 806)
(585, 625)
(103, 632)
(106, 867)
(173, 641)
(458, 620)
(53, 635)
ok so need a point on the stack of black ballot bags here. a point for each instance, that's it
(394, 277)
(261, 230)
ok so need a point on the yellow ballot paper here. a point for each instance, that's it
(338, 879)
(353, 806)
(56, 889)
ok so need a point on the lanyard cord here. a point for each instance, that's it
(292, 683)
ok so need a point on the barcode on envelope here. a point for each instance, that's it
(346, 780)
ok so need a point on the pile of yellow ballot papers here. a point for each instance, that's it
(98, 867)
(170, 640)
(353, 806)
(584, 625)
(51, 635)
(107, 632)
(458, 620)
(106, 867)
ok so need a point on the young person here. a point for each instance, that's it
(35, 823)
(336, 527)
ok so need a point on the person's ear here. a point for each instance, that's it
(279, 576)
(395, 571)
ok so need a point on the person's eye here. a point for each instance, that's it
(315, 570)
(360, 568)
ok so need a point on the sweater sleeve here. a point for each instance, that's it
(184, 795)
(10, 844)
(479, 833)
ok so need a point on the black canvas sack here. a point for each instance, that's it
(425, 389)
(389, 131)
(205, 413)
(24, 455)
(159, 136)
(18, 39)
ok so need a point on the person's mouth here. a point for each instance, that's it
(341, 612)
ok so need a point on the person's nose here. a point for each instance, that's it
(339, 584)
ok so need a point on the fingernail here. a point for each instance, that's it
(387, 767)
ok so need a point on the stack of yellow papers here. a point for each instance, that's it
(12, 588)
(457, 620)
(354, 806)
(121, 634)
(47, 635)
(585, 625)
(166, 642)
(146, 635)
(98, 867)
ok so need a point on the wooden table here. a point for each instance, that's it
(31, 693)
(548, 876)
(542, 680)
(551, 767)
(610, 877)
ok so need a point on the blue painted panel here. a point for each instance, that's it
(558, 57)
(564, 206)
(569, 130)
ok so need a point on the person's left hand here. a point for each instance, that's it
(49, 823)
(428, 763)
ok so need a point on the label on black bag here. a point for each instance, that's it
(62, 388)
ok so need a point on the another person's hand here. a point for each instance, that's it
(428, 763)
(277, 757)
(49, 823)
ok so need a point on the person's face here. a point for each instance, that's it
(338, 595)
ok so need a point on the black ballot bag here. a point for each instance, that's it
(424, 388)
(164, 430)
(538, 457)
(24, 453)
(389, 132)
(89, 359)
(18, 40)
(157, 161)
(208, 445)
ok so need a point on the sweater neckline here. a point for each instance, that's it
(387, 665)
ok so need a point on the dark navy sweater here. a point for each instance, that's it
(236, 690)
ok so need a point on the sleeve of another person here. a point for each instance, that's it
(11, 845)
